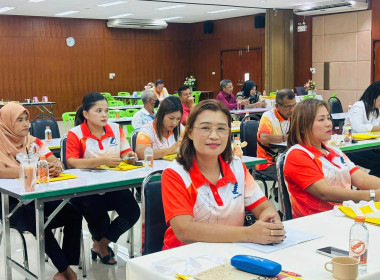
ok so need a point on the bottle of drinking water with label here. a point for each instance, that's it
(347, 131)
(359, 243)
(43, 170)
(48, 134)
(148, 158)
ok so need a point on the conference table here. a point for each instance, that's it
(88, 182)
(42, 106)
(121, 121)
(128, 97)
(125, 107)
(301, 258)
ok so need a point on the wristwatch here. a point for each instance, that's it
(372, 195)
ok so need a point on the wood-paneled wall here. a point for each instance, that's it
(35, 61)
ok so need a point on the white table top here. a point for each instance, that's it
(125, 107)
(339, 116)
(300, 258)
(121, 120)
(251, 110)
(55, 143)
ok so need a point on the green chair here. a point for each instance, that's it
(309, 96)
(139, 102)
(115, 103)
(196, 95)
(68, 117)
(125, 93)
(273, 93)
(130, 112)
(139, 93)
(129, 133)
(175, 94)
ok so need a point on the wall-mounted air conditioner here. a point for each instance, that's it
(137, 23)
(329, 7)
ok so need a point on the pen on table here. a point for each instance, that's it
(128, 158)
(291, 273)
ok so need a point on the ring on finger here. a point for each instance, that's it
(271, 232)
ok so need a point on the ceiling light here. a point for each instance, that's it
(170, 7)
(170, 18)
(222, 11)
(35, 1)
(121, 16)
(6, 9)
(66, 13)
(111, 4)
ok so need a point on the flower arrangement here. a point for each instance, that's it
(190, 81)
(310, 85)
(149, 85)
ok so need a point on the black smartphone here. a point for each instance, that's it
(137, 163)
(332, 252)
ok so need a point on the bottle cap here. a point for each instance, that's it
(360, 219)
(42, 157)
(148, 145)
(237, 138)
(348, 123)
(47, 127)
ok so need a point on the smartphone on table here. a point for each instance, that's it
(332, 252)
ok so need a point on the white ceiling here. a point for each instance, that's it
(192, 11)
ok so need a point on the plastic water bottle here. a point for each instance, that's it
(359, 243)
(264, 93)
(43, 170)
(148, 158)
(347, 131)
(48, 134)
(349, 106)
(117, 113)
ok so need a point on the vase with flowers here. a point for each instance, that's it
(191, 82)
(310, 87)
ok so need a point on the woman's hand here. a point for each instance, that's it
(173, 149)
(262, 232)
(55, 168)
(111, 161)
(130, 154)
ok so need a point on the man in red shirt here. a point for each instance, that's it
(226, 97)
(187, 100)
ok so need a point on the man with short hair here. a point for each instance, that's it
(147, 113)
(274, 128)
(226, 97)
(187, 100)
(160, 90)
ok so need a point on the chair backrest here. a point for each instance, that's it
(63, 150)
(196, 95)
(153, 217)
(248, 132)
(139, 102)
(130, 112)
(39, 124)
(123, 93)
(133, 140)
(283, 193)
(68, 119)
(335, 105)
(114, 103)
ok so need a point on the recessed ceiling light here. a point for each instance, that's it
(222, 11)
(4, 9)
(35, 1)
(66, 13)
(170, 18)
(112, 4)
(170, 7)
(121, 16)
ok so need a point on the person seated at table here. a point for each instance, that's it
(94, 142)
(226, 97)
(160, 90)
(15, 139)
(147, 113)
(319, 176)
(187, 100)
(364, 117)
(207, 190)
(274, 128)
(249, 92)
(164, 133)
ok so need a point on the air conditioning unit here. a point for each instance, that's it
(330, 7)
(137, 23)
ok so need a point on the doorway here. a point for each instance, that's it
(376, 57)
(241, 65)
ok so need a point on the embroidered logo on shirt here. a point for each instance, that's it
(235, 190)
(113, 141)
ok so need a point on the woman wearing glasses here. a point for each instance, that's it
(319, 176)
(207, 190)
(164, 133)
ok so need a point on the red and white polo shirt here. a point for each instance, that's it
(190, 193)
(306, 165)
(82, 144)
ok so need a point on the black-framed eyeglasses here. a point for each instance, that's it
(207, 130)
(288, 107)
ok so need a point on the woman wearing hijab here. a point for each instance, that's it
(249, 92)
(14, 139)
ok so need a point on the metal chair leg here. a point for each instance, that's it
(82, 260)
(24, 251)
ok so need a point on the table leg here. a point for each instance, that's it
(6, 237)
(40, 236)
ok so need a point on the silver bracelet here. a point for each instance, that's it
(372, 195)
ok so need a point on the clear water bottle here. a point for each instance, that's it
(117, 113)
(359, 243)
(148, 158)
(347, 132)
(43, 170)
(48, 134)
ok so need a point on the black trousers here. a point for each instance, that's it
(95, 207)
(69, 218)
(368, 159)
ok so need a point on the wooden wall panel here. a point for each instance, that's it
(15, 26)
(302, 51)
(375, 6)
(87, 28)
(120, 59)
(51, 27)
